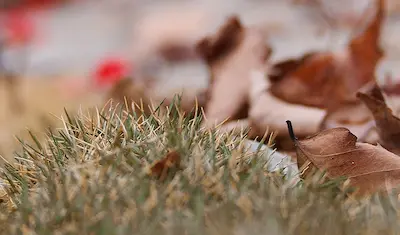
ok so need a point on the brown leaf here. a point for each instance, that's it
(365, 50)
(283, 68)
(310, 83)
(231, 54)
(267, 112)
(368, 167)
(354, 116)
(168, 32)
(215, 47)
(390, 87)
(388, 125)
(327, 79)
(161, 168)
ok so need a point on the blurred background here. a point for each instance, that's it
(51, 50)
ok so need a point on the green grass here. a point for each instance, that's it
(93, 177)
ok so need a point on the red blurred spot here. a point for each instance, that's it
(110, 71)
(19, 27)
(39, 4)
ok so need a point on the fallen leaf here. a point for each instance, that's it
(354, 116)
(368, 167)
(161, 168)
(390, 86)
(392, 7)
(267, 112)
(310, 83)
(231, 54)
(326, 79)
(168, 32)
(365, 50)
(387, 124)
(283, 68)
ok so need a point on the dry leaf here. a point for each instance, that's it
(283, 68)
(327, 79)
(354, 116)
(161, 168)
(391, 87)
(392, 7)
(387, 124)
(267, 111)
(368, 167)
(310, 83)
(231, 54)
(168, 32)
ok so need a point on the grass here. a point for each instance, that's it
(100, 174)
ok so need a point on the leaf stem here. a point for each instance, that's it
(291, 132)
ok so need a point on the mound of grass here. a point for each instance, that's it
(113, 172)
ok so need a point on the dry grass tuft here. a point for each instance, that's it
(94, 176)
